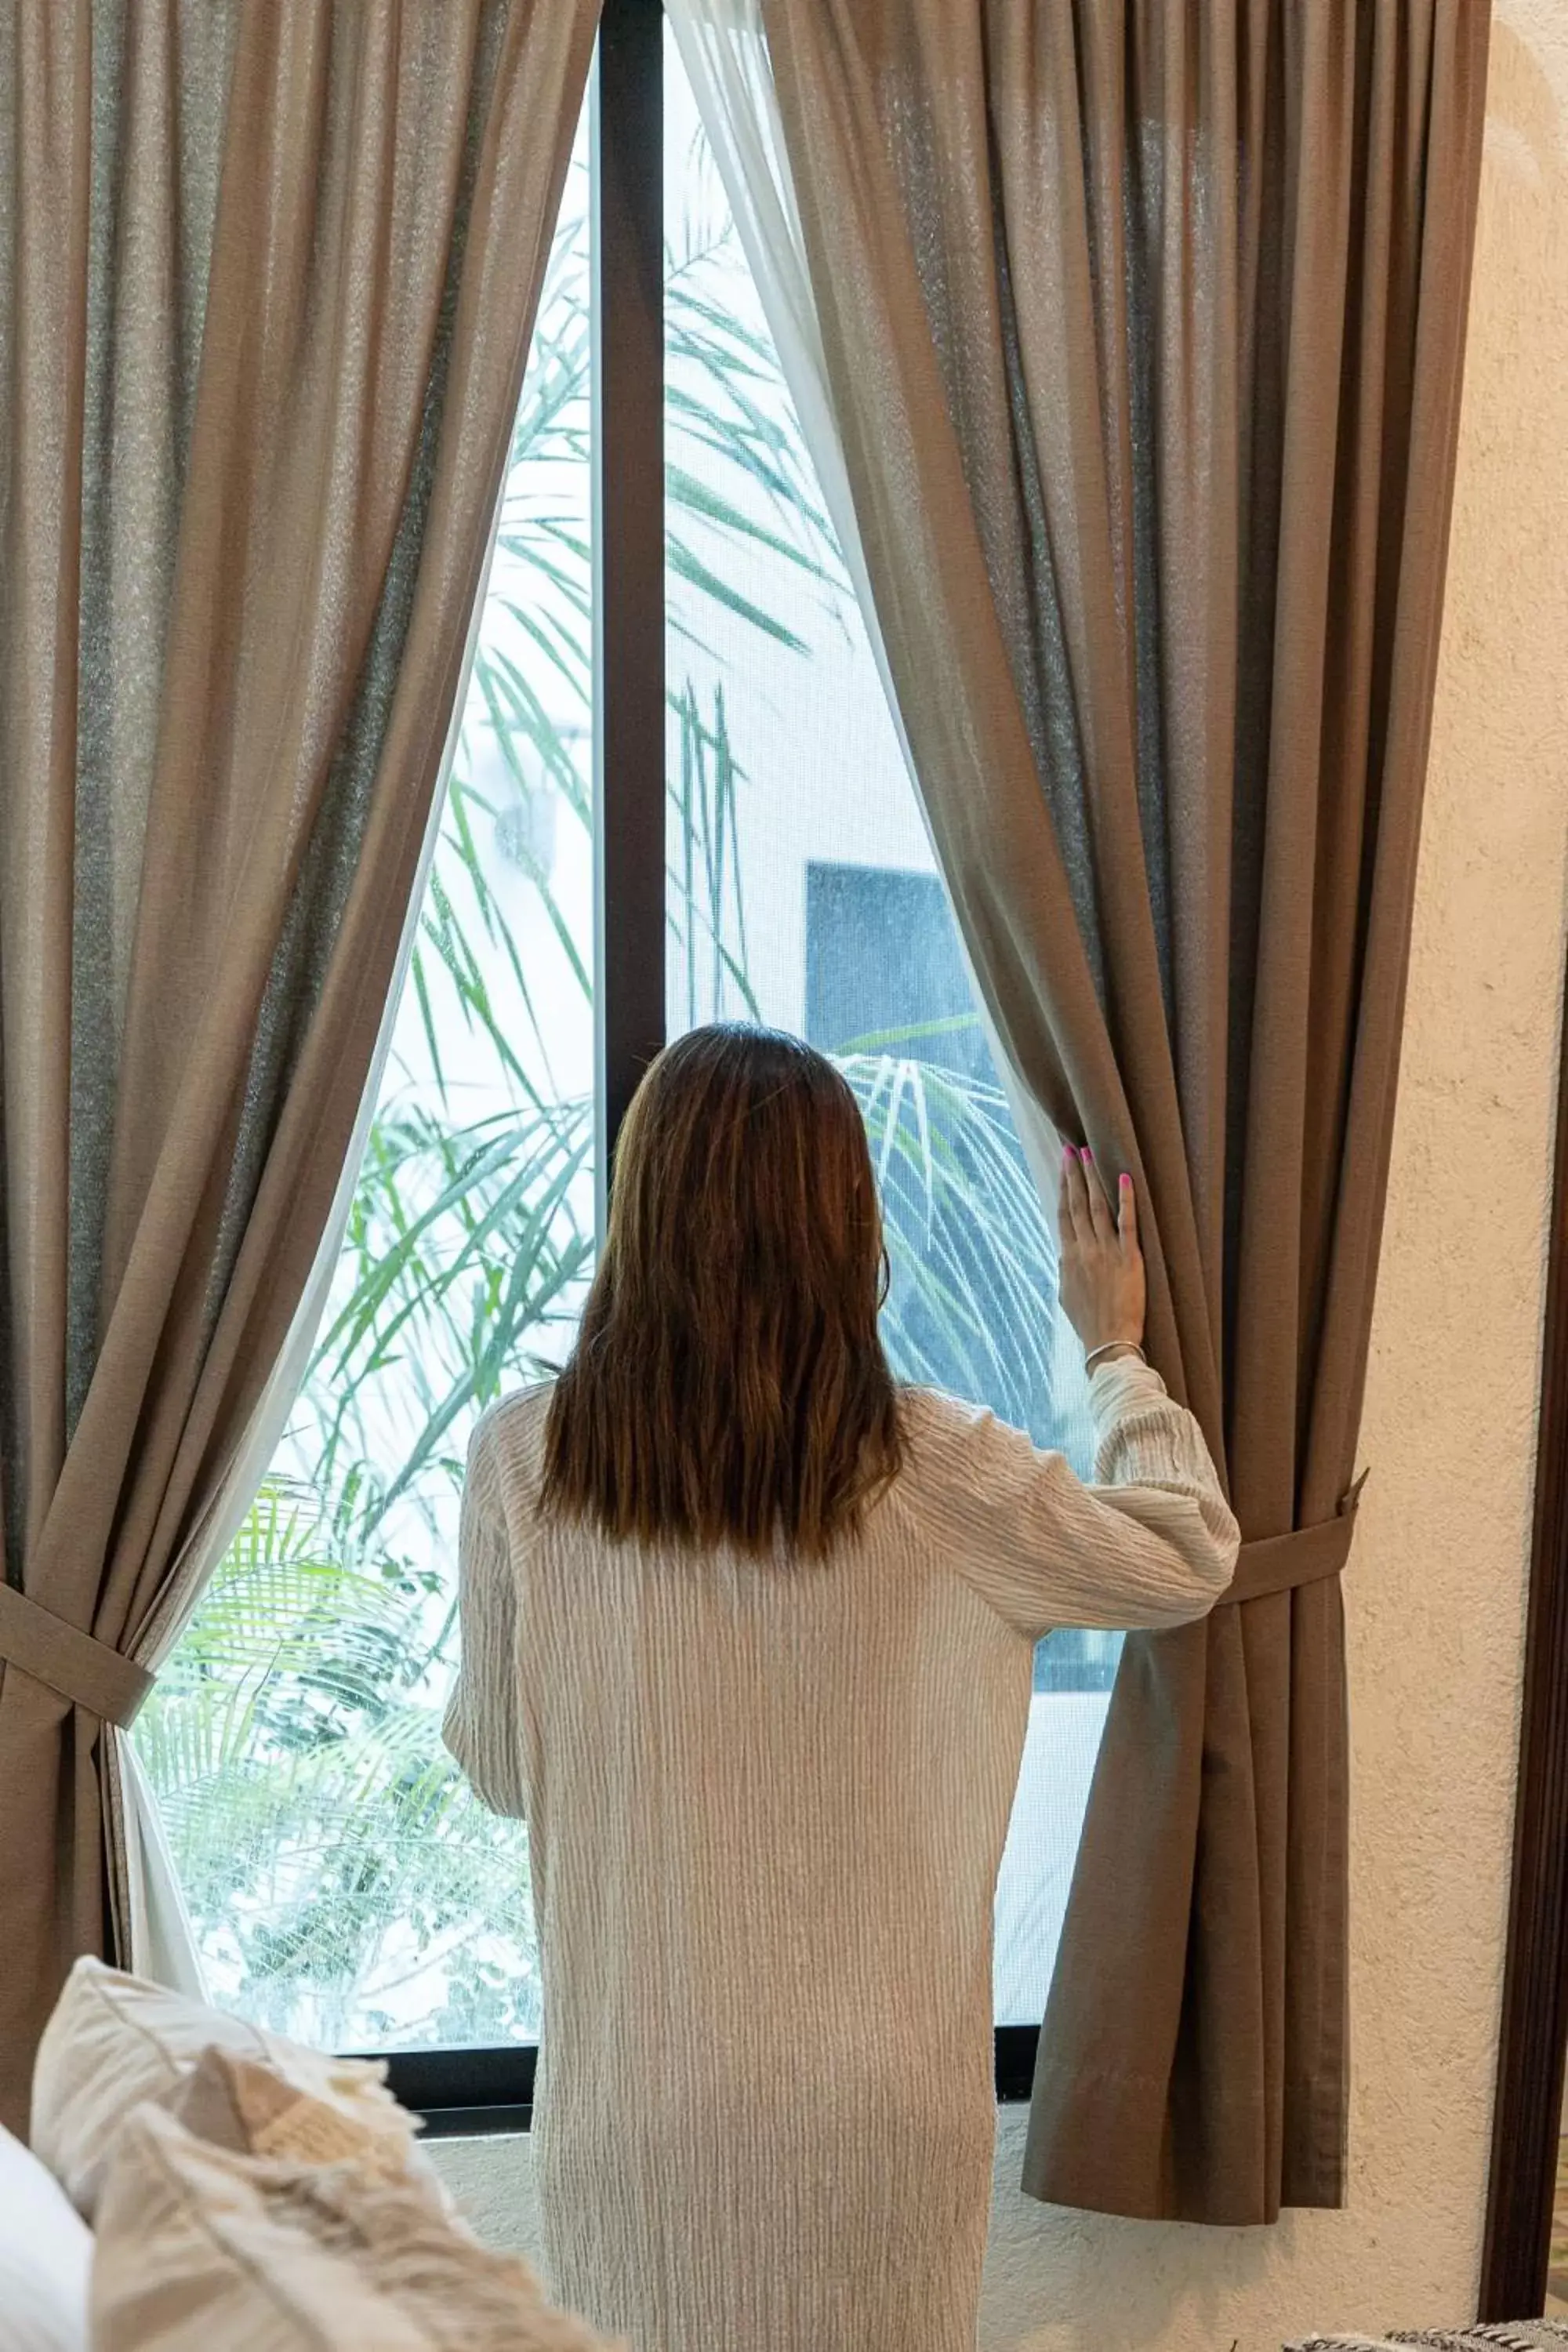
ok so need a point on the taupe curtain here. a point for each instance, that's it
(267, 281)
(1142, 323)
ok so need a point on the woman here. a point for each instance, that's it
(747, 1636)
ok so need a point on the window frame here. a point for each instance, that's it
(465, 2091)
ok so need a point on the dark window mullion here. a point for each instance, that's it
(629, 557)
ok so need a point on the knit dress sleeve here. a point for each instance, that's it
(1150, 1542)
(482, 1726)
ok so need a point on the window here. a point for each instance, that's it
(342, 1883)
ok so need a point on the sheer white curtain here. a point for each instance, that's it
(723, 48)
(154, 1923)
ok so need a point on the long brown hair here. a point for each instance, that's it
(729, 1384)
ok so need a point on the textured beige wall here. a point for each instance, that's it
(1437, 1590)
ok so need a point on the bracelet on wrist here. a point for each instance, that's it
(1097, 1355)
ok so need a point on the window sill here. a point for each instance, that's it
(474, 2094)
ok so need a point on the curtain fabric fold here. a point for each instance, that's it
(153, 1928)
(1141, 328)
(266, 288)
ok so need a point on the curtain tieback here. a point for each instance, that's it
(75, 1664)
(1305, 1555)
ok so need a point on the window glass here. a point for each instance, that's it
(803, 892)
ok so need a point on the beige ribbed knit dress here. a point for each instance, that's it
(767, 1804)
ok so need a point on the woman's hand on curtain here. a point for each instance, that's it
(1101, 1277)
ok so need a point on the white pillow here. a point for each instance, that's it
(45, 2252)
(200, 2247)
(115, 2040)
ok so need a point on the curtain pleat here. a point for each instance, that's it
(265, 303)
